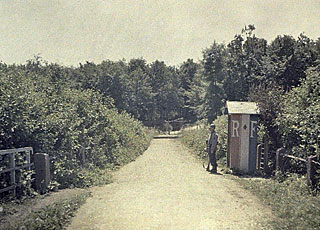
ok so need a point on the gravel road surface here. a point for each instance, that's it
(167, 188)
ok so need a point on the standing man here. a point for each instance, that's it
(211, 149)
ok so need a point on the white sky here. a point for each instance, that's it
(72, 31)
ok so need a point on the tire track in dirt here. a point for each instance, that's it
(167, 188)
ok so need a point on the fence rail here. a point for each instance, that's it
(281, 157)
(12, 168)
(17, 168)
(9, 151)
(295, 158)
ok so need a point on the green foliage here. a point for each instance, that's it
(246, 61)
(38, 108)
(146, 91)
(214, 74)
(267, 98)
(290, 200)
(23, 177)
(288, 59)
(81, 178)
(168, 97)
(55, 216)
(300, 120)
(64, 111)
(230, 70)
(195, 97)
(189, 71)
(196, 137)
(221, 124)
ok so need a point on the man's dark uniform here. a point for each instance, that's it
(211, 149)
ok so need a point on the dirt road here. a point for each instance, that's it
(166, 188)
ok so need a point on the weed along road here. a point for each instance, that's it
(166, 188)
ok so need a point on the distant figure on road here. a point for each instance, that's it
(211, 149)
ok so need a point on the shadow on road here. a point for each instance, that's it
(216, 173)
(166, 136)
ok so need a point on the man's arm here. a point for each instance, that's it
(214, 143)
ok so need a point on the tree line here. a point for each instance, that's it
(277, 75)
(80, 129)
(195, 90)
(67, 104)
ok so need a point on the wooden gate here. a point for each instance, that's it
(263, 157)
(12, 166)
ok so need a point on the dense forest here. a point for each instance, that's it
(58, 109)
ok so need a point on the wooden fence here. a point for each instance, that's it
(263, 157)
(281, 159)
(12, 167)
(40, 165)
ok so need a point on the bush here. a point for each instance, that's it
(221, 124)
(195, 138)
(267, 98)
(38, 108)
(300, 120)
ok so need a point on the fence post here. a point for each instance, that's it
(42, 168)
(310, 172)
(279, 159)
(259, 150)
(266, 156)
(13, 172)
(28, 158)
(82, 156)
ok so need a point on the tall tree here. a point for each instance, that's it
(140, 99)
(244, 61)
(214, 73)
(196, 97)
(282, 61)
(188, 71)
(165, 83)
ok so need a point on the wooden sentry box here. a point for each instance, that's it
(242, 135)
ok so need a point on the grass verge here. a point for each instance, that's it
(291, 201)
(53, 211)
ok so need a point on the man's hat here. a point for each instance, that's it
(212, 126)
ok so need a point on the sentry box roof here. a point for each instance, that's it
(242, 107)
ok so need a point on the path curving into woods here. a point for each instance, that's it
(167, 188)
